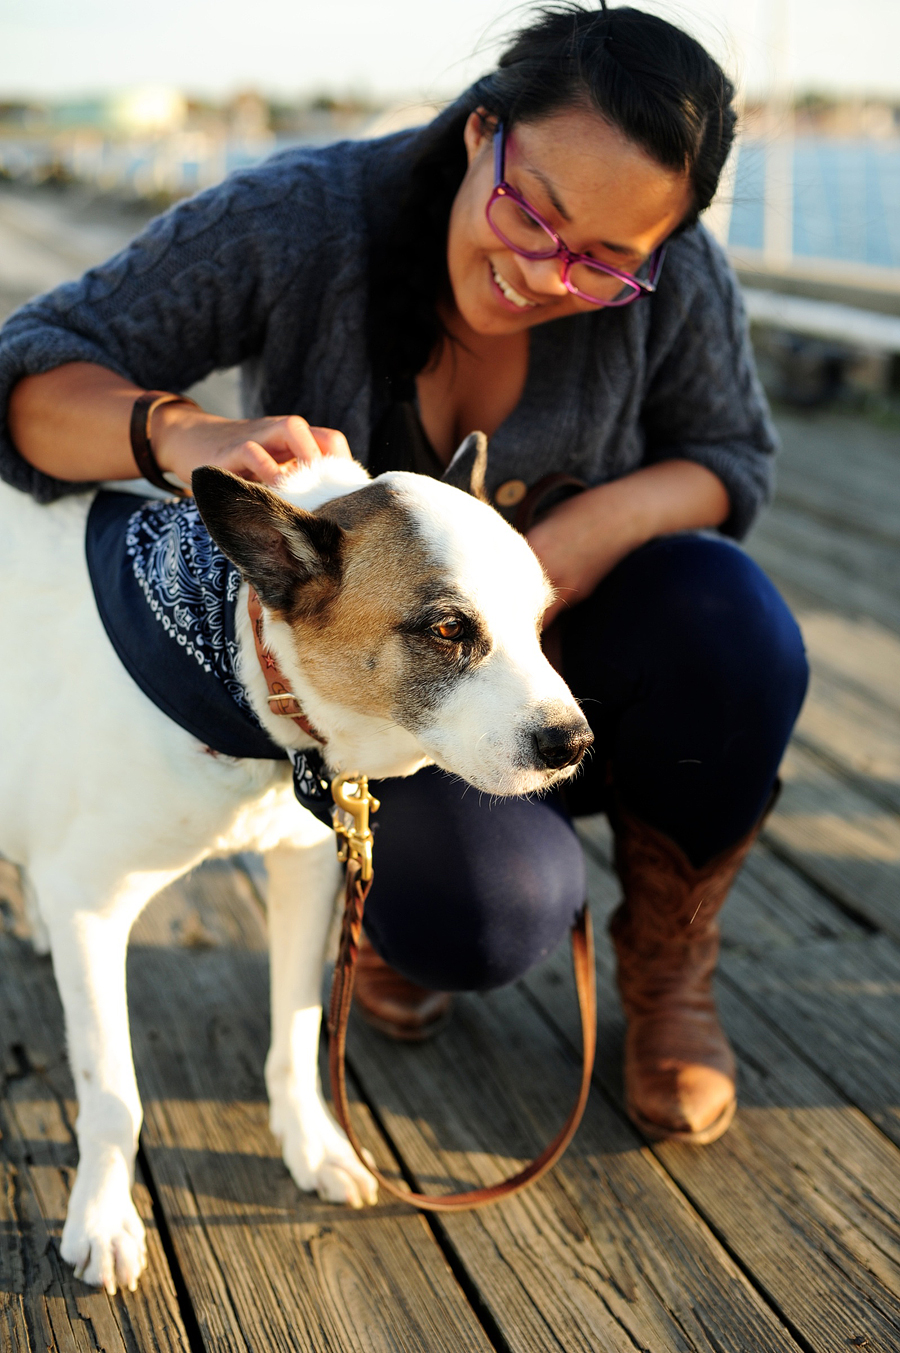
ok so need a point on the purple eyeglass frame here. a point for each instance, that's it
(642, 286)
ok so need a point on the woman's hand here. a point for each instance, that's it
(583, 539)
(260, 449)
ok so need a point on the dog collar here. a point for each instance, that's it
(282, 700)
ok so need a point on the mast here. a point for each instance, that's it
(778, 207)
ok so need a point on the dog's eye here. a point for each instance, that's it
(448, 629)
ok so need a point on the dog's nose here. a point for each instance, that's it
(560, 745)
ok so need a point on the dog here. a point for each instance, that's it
(404, 613)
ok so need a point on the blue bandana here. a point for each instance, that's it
(167, 597)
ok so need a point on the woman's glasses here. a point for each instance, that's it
(524, 230)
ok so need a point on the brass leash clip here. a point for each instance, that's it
(350, 792)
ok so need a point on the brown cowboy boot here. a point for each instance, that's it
(679, 1067)
(392, 1004)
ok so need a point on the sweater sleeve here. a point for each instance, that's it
(704, 401)
(190, 294)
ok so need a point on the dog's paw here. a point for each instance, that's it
(103, 1238)
(321, 1160)
(333, 1172)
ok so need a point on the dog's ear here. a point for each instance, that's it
(291, 557)
(468, 467)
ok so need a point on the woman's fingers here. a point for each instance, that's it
(255, 448)
(292, 438)
(293, 435)
(332, 443)
(252, 461)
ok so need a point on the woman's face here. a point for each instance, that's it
(599, 191)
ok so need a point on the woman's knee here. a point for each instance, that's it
(694, 671)
(470, 895)
(713, 613)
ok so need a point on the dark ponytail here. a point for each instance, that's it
(643, 75)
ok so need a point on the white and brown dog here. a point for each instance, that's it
(406, 616)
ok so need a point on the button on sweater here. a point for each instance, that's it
(269, 271)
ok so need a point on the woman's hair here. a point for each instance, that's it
(644, 76)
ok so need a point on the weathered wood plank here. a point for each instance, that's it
(803, 1189)
(54, 1310)
(859, 735)
(603, 1253)
(42, 1305)
(844, 469)
(852, 711)
(862, 654)
(840, 838)
(831, 538)
(772, 906)
(265, 1265)
(818, 567)
(840, 1005)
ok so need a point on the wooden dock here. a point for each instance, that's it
(785, 1235)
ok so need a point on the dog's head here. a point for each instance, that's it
(412, 603)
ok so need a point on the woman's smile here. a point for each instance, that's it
(508, 294)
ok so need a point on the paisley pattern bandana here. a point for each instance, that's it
(190, 587)
(167, 597)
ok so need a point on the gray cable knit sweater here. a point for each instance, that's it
(269, 270)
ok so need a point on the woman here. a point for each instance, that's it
(500, 269)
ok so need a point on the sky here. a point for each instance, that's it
(393, 49)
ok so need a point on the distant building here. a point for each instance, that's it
(149, 109)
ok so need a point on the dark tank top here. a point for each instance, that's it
(400, 442)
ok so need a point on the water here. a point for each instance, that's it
(846, 193)
(846, 200)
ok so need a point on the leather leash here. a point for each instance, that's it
(356, 849)
(351, 795)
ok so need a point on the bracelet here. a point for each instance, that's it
(141, 413)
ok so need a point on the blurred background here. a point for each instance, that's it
(109, 113)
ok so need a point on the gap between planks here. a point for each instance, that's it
(804, 1190)
(263, 1264)
(604, 1253)
(42, 1305)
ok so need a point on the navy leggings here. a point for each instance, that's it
(691, 671)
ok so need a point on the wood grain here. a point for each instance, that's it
(862, 654)
(265, 1265)
(603, 1253)
(858, 735)
(839, 1004)
(803, 1189)
(42, 1305)
(840, 838)
(818, 566)
(852, 711)
(843, 470)
(831, 540)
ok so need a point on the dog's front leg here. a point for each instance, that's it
(103, 1236)
(302, 888)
